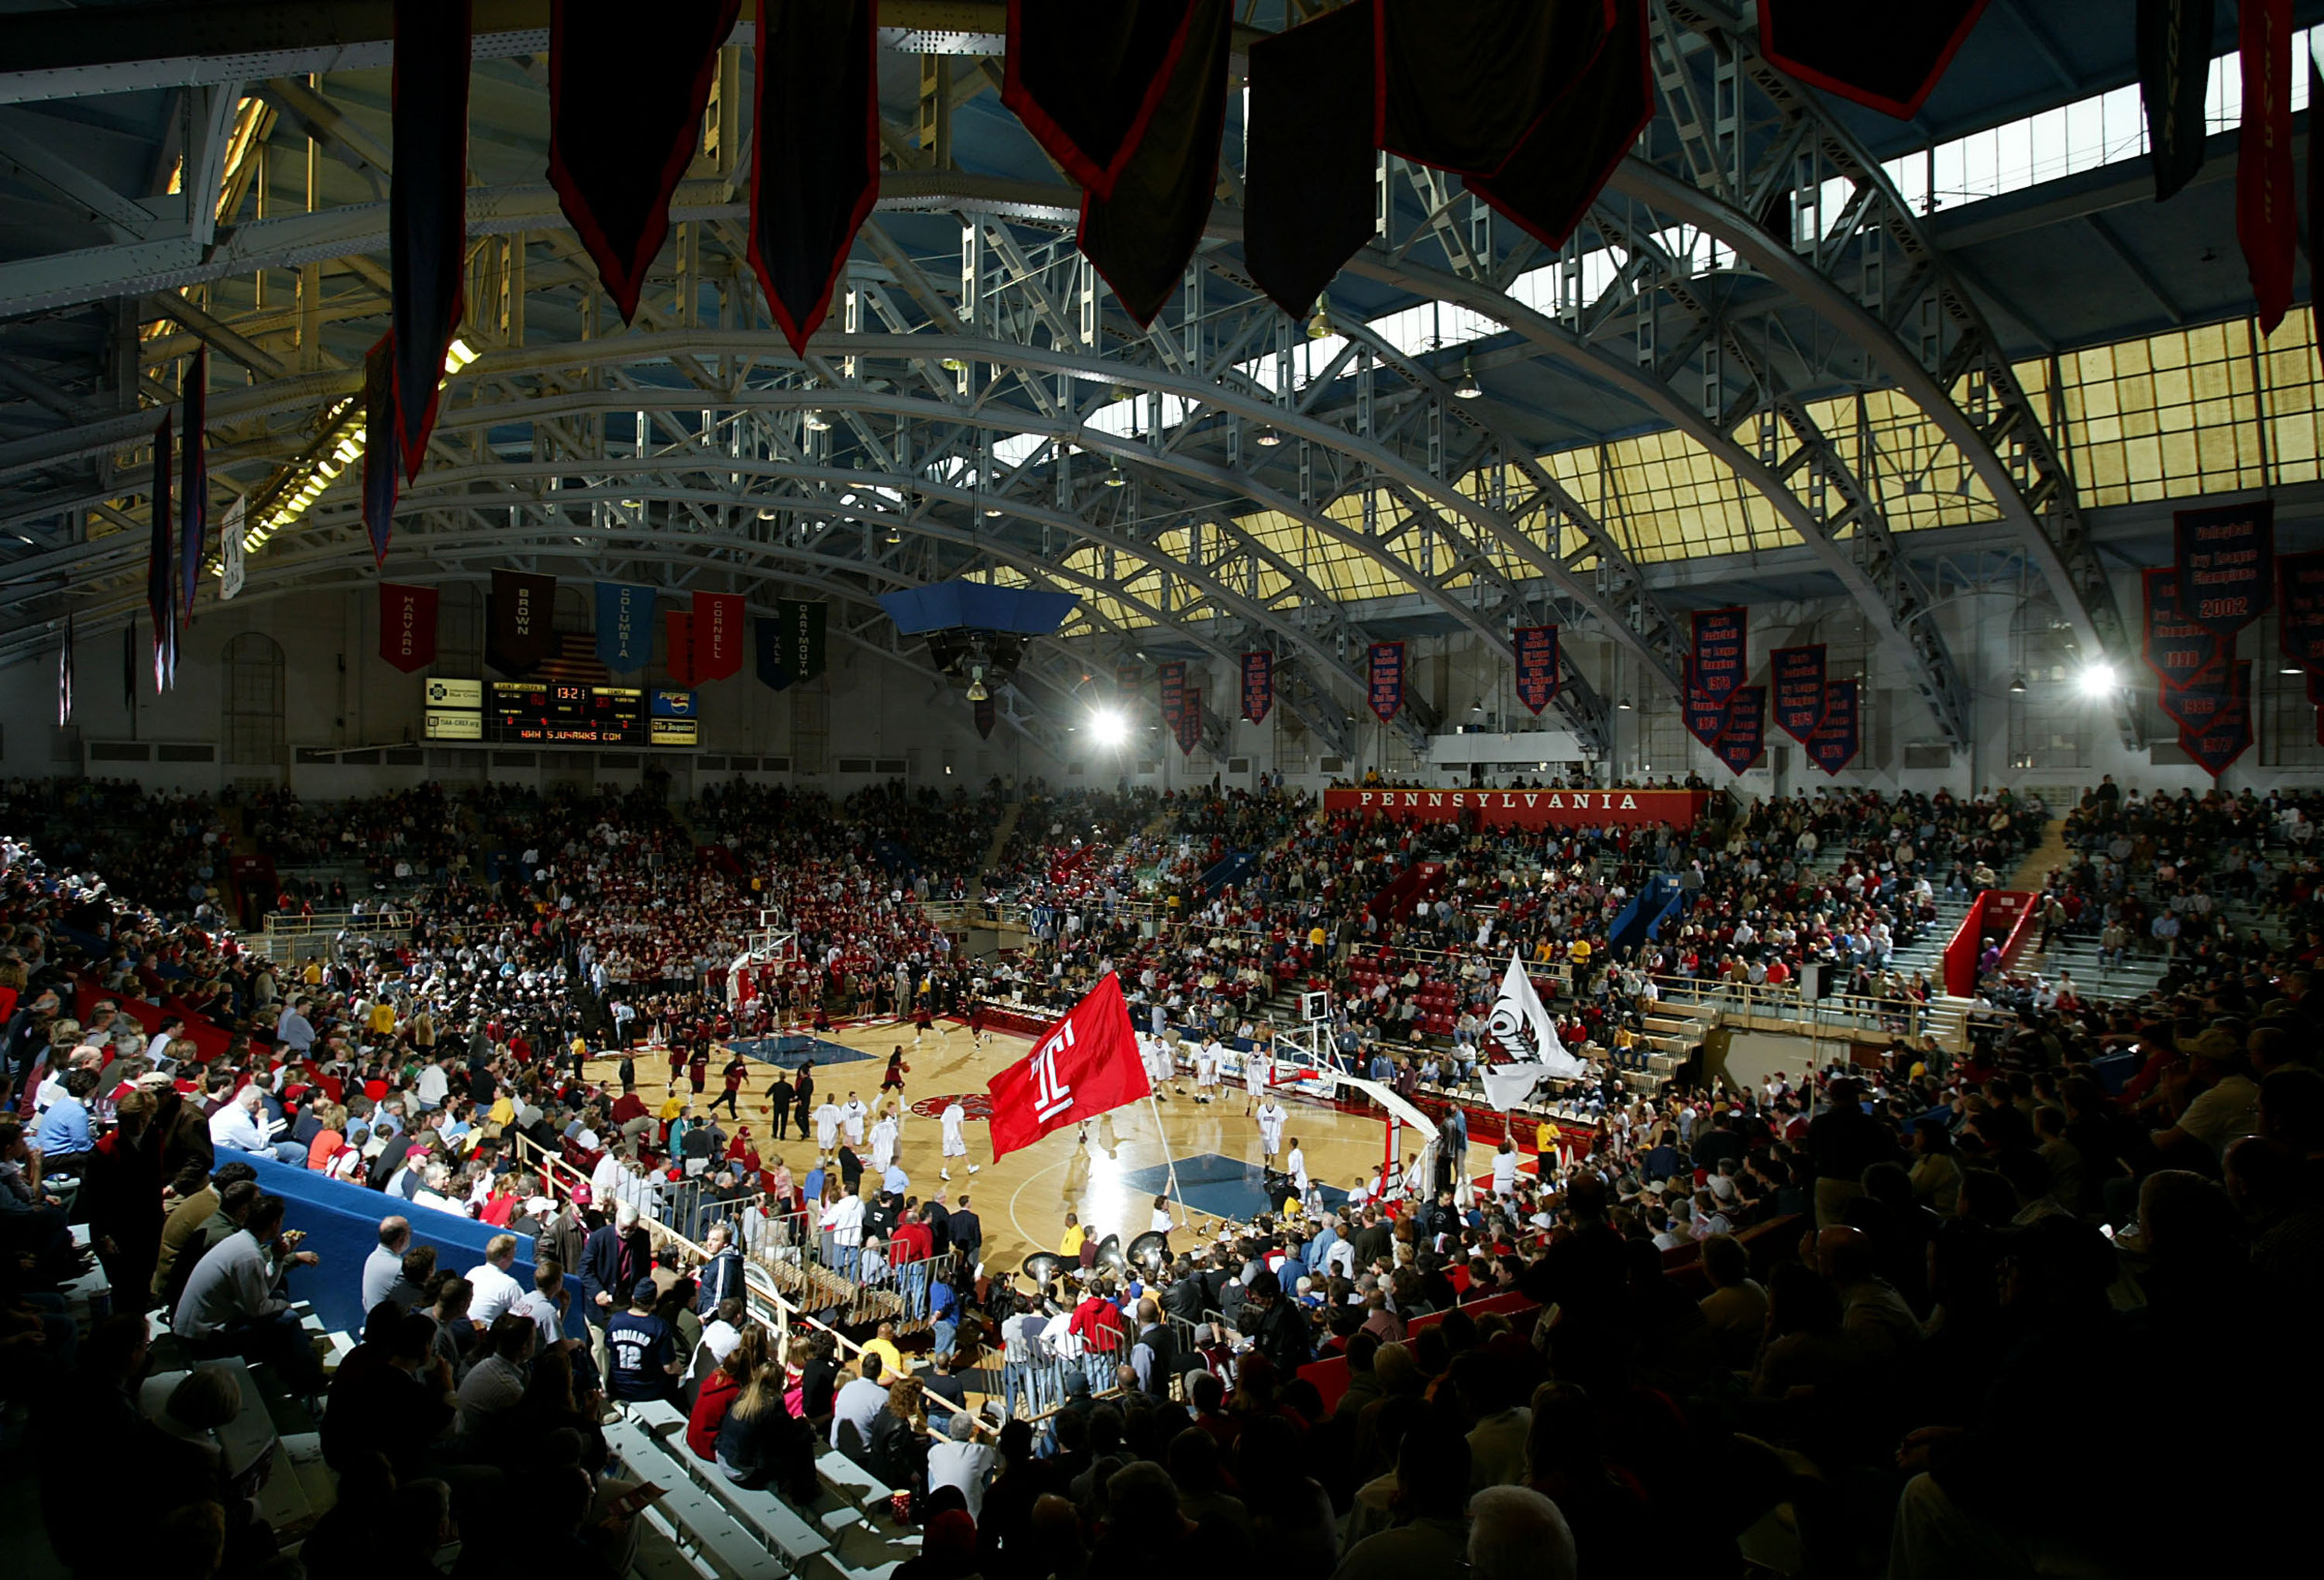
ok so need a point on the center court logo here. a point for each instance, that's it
(975, 1104)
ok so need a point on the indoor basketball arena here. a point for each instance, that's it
(899, 790)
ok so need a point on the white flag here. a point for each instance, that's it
(1523, 1028)
(230, 552)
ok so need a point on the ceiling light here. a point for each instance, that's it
(2291, 669)
(1113, 478)
(2017, 681)
(1623, 705)
(1319, 326)
(1267, 438)
(976, 691)
(1108, 728)
(1468, 389)
(895, 533)
(1478, 705)
(993, 510)
(817, 423)
(2096, 680)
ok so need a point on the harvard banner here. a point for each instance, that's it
(803, 623)
(1705, 715)
(1548, 183)
(624, 627)
(2174, 69)
(1832, 747)
(230, 552)
(1085, 1065)
(1890, 66)
(679, 657)
(407, 626)
(2229, 733)
(1189, 728)
(1174, 692)
(770, 668)
(2300, 608)
(2267, 225)
(1796, 677)
(625, 105)
(1087, 81)
(162, 568)
(1536, 660)
(1745, 739)
(2226, 561)
(1721, 644)
(2176, 649)
(1524, 808)
(984, 714)
(1258, 686)
(1384, 677)
(428, 207)
(718, 622)
(382, 470)
(1308, 161)
(815, 156)
(520, 623)
(193, 485)
(2196, 705)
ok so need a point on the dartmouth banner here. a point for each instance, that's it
(803, 637)
(1832, 747)
(1720, 657)
(1383, 675)
(2226, 561)
(1745, 739)
(1258, 686)
(1525, 808)
(1536, 661)
(1795, 675)
(624, 627)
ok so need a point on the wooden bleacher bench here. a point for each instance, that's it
(784, 1530)
(699, 1522)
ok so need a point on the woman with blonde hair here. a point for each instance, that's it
(759, 1443)
(746, 1360)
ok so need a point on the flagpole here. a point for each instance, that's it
(1170, 1162)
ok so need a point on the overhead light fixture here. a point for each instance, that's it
(1109, 728)
(895, 533)
(2017, 681)
(1267, 437)
(993, 510)
(1319, 324)
(1623, 705)
(2096, 679)
(817, 423)
(1478, 705)
(1113, 478)
(954, 365)
(767, 512)
(2291, 669)
(1468, 389)
(976, 691)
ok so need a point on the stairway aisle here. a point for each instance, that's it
(2049, 853)
(1000, 833)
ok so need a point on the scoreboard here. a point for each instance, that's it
(565, 713)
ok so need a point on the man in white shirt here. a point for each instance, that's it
(495, 1288)
(826, 1125)
(234, 1305)
(239, 1127)
(383, 1268)
(843, 1220)
(433, 1085)
(606, 1177)
(955, 1143)
(495, 1383)
(850, 1119)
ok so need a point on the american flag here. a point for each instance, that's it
(575, 661)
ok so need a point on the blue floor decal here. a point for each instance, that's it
(790, 1052)
(1224, 1187)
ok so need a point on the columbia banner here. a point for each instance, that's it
(1174, 692)
(1384, 678)
(2176, 649)
(1705, 715)
(985, 715)
(1795, 675)
(1832, 745)
(2226, 561)
(624, 627)
(2174, 69)
(772, 672)
(520, 626)
(428, 207)
(1258, 686)
(2228, 732)
(1536, 660)
(678, 657)
(1720, 641)
(1745, 739)
(815, 158)
(2300, 608)
(407, 626)
(718, 622)
(1525, 808)
(803, 623)
(1189, 728)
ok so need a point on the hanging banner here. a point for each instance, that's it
(193, 485)
(814, 153)
(1309, 166)
(1128, 681)
(624, 627)
(1832, 747)
(718, 622)
(2267, 223)
(770, 668)
(64, 675)
(407, 626)
(679, 658)
(2176, 649)
(1890, 68)
(2226, 561)
(803, 637)
(1536, 661)
(162, 568)
(230, 552)
(1721, 637)
(1705, 715)
(2174, 69)
(520, 622)
(2195, 705)
(2300, 608)
(1549, 180)
(1795, 678)
(382, 472)
(2228, 732)
(985, 715)
(1745, 739)
(1174, 692)
(1258, 686)
(1383, 675)
(1189, 728)
(1087, 81)
(427, 208)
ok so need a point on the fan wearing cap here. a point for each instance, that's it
(641, 1354)
(2219, 1103)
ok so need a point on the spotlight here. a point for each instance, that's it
(2017, 681)
(1468, 389)
(1109, 728)
(1623, 705)
(2291, 669)
(976, 691)
(1113, 478)
(2096, 680)
(895, 533)
(817, 422)
(1266, 439)
(1319, 326)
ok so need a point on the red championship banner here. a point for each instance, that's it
(1085, 1065)
(1795, 675)
(1834, 745)
(2179, 652)
(407, 626)
(1536, 661)
(720, 623)
(2229, 733)
(2193, 707)
(2268, 224)
(1174, 692)
(1258, 686)
(1128, 680)
(2300, 608)
(2226, 561)
(1721, 640)
(679, 658)
(1384, 679)
(1189, 728)
(1705, 715)
(1744, 740)
(1525, 808)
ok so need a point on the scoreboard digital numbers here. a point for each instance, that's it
(556, 713)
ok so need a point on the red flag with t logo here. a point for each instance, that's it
(1083, 1065)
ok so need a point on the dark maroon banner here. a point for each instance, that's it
(1890, 66)
(519, 628)
(2226, 561)
(1536, 660)
(2228, 732)
(1796, 677)
(2176, 649)
(1383, 675)
(1745, 739)
(2267, 223)
(407, 626)
(814, 153)
(1087, 81)
(1706, 716)
(1258, 686)
(2300, 608)
(427, 209)
(382, 474)
(679, 658)
(1720, 660)
(1174, 692)
(1190, 722)
(1832, 747)
(720, 623)
(985, 715)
